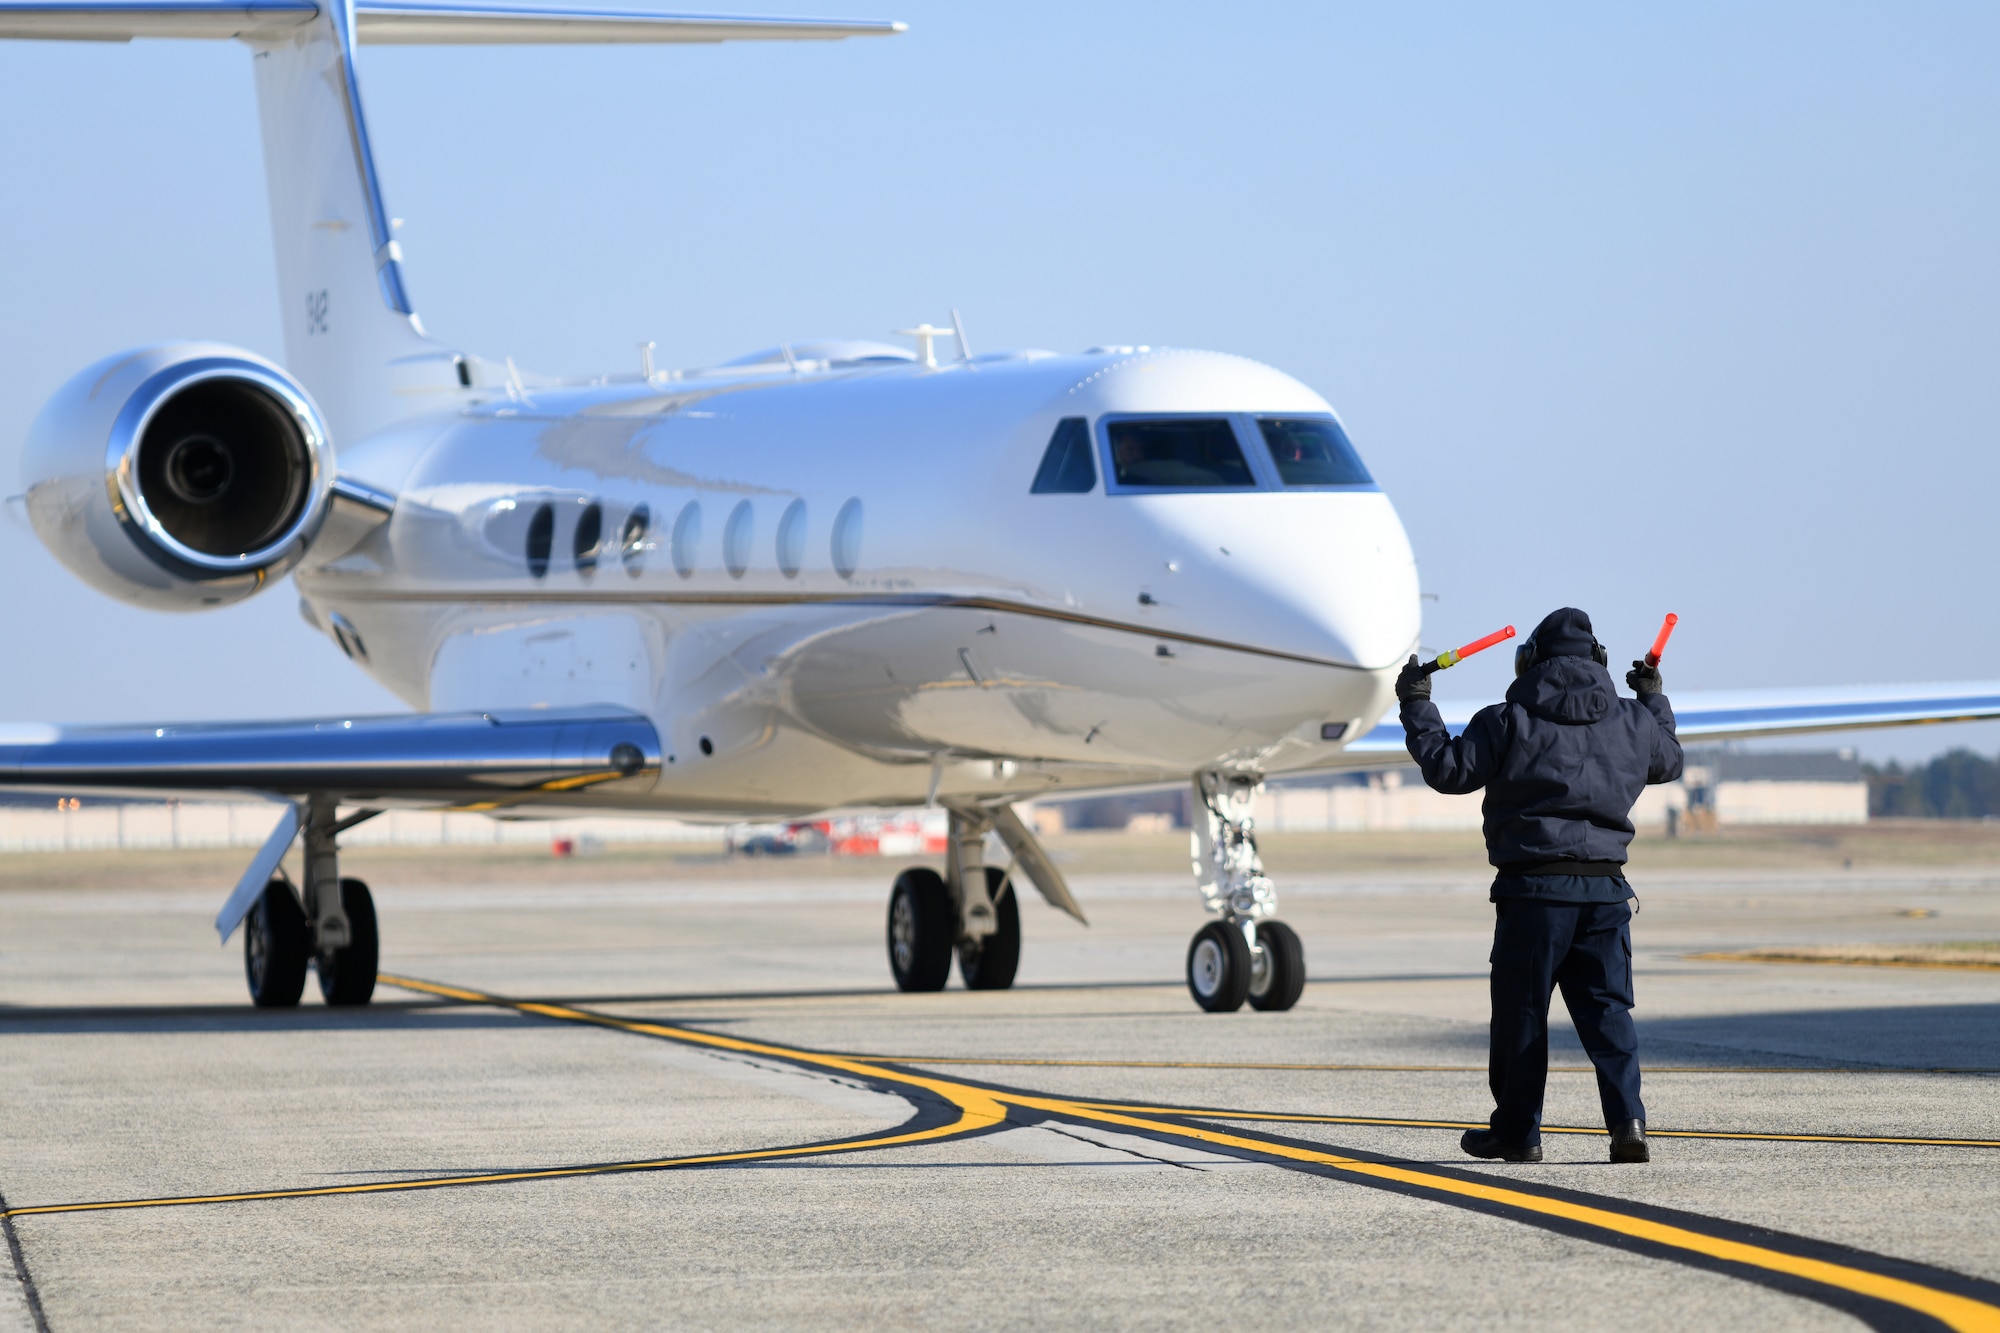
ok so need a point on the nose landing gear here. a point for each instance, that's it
(1246, 955)
(1278, 976)
(1219, 967)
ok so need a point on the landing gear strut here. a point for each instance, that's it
(1246, 955)
(347, 972)
(970, 910)
(329, 927)
(988, 963)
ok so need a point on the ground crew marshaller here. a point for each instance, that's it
(1563, 761)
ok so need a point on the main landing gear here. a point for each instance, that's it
(1246, 955)
(970, 910)
(330, 927)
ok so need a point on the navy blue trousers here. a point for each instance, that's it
(1585, 948)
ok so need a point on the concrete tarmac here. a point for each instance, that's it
(697, 1103)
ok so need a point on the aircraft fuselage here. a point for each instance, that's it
(832, 586)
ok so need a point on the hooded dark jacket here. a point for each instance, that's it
(1562, 761)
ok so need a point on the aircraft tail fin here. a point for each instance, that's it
(352, 335)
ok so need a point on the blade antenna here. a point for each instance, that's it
(958, 330)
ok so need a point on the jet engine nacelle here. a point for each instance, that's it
(179, 477)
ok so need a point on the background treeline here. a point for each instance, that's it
(1957, 785)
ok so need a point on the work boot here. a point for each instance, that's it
(1628, 1142)
(1485, 1143)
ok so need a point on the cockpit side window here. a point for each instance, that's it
(1067, 467)
(1313, 451)
(1195, 452)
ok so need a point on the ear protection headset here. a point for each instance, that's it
(1529, 652)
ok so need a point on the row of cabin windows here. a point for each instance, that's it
(1198, 453)
(587, 540)
(588, 550)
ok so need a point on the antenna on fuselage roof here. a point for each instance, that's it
(352, 335)
(924, 334)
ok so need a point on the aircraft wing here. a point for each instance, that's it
(468, 761)
(1748, 714)
(408, 24)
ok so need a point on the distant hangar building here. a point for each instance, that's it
(1721, 786)
(1775, 786)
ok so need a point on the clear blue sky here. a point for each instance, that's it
(1690, 307)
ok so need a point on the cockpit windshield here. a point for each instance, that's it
(1179, 451)
(1312, 451)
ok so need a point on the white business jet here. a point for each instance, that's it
(829, 575)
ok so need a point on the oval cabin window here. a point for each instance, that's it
(686, 541)
(588, 536)
(792, 539)
(736, 536)
(847, 539)
(541, 537)
(632, 539)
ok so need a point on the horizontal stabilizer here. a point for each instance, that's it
(418, 24)
(406, 24)
(115, 22)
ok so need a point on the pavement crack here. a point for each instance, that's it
(1112, 1147)
(29, 1296)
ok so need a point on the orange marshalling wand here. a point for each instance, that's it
(1453, 656)
(1660, 644)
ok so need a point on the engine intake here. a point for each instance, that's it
(179, 477)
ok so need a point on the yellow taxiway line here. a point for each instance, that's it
(978, 1108)
(1755, 956)
(1754, 1136)
(1027, 1062)
(1949, 1308)
(1955, 1311)
(500, 1177)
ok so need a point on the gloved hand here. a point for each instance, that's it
(1644, 680)
(1414, 683)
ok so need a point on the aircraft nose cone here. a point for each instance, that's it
(1324, 575)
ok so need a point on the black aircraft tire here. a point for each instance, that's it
(1283, 975)
(275, 948)
(347, 976)
(922, 926)
(990, 964)
(1218, 967)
